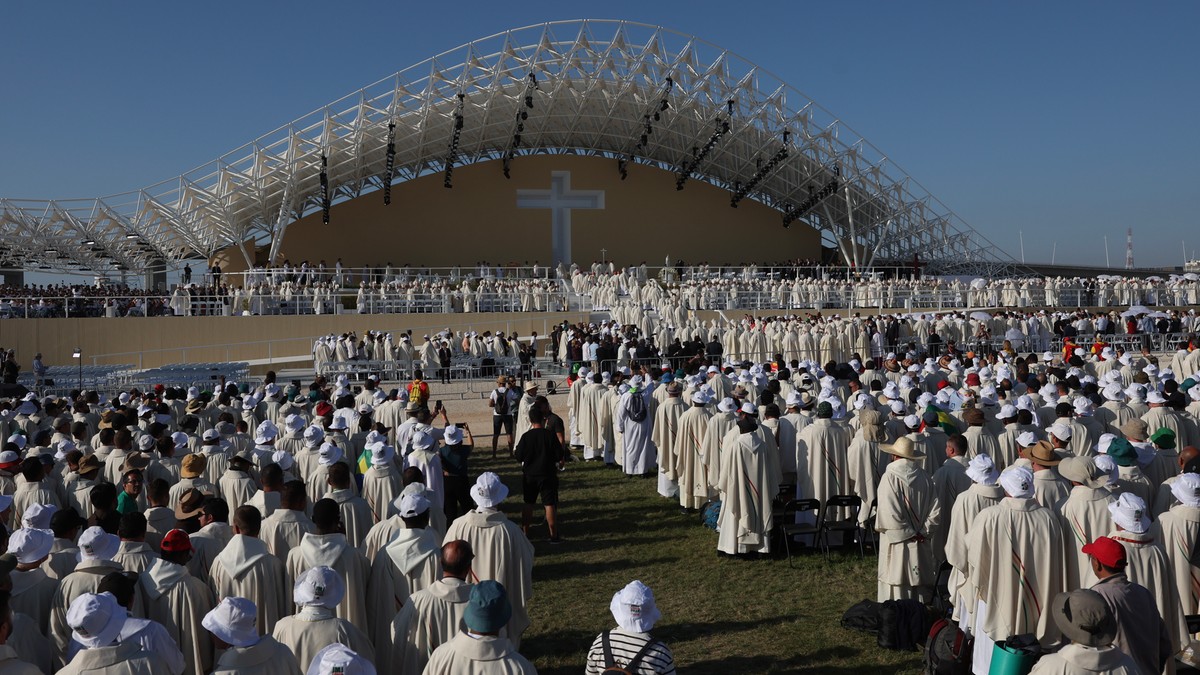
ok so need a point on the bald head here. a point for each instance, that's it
(456, 559)
(1187, 454)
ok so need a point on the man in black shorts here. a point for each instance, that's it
(541, 456)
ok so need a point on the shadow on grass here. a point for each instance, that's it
(565, 570)
(568, 641)
(801, 664)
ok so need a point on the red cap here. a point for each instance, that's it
(1108, 551)
(973, 379)
(322, 409)
(176, 541)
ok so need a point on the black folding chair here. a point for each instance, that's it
(790, 529)
(844, 525)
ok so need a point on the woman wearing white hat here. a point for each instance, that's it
(635, 612)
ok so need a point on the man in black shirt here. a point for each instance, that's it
(541, 456)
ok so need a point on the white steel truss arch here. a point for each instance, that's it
(597, 88)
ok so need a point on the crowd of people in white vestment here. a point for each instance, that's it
(268, 529)
(305, 289)
(1060, 490)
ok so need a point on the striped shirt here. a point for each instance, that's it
(625, 645)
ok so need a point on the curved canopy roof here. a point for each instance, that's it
(631, 92)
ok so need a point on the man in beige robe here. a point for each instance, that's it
(949, 481)
(1147, 564)
(328, 547)
(33, 590)
(407, 564)
(233, 625)
(984, 492)
(480, 649)
(690, 473)
(1180, 532)
(385, 530)
(214, 533)
(133, 553)
(284, 529)
(96, 550)
(236, 484)
(318, 592)
(432, 616)
(502, 552)
(666, 427)
(1084, 515)
(1016, 562)
(357, 519)
(821, 462)
(179, 601)
(749, 482)
(866, 462)
(245, 568)
(907, 516)
(592, 415)
(95, 621)
(710, 453)
(382, 482)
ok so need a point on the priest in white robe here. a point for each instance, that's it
(179, 601)
(433, 616)
(318, 592)
(749, 483)
(985, 491)
(710, 453)
(665, 428)
(821, 460)
(1147, 564)
(1180, 530)
(232, 625)
(1084, 515)
(502, 552)
(641, 454)
(329, 547)
(1017, 566)
(691, 475)
(407, 564)
(907, 516)
(246, 569)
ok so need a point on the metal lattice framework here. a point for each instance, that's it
(627, 91)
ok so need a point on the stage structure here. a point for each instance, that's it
(632, 93)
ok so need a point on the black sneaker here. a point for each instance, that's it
(556, 540)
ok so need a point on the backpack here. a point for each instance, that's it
(948, 650)
(902, 624)
(710, 514)
(414, 391)
(501, 402)
(637, 407)
(863, 616)
(610, 664)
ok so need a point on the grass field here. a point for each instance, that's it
(718, 615)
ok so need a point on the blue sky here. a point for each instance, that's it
(1067, 121)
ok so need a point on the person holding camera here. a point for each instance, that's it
(455, 452)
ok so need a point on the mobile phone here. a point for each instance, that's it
(438, 405)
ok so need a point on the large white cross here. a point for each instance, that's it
(560, 199)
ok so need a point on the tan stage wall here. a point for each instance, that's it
(644, 219)
(158, 341)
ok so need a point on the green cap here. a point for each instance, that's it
(1122, 452)
(1164, 438)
